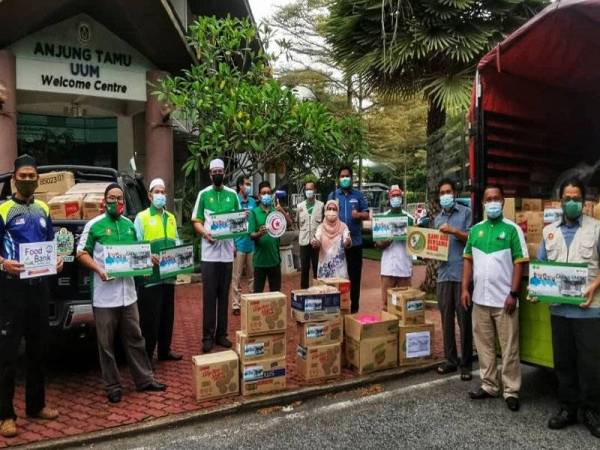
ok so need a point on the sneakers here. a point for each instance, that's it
(562, 419)
(8, 428)
(591, 420)
(46, 414)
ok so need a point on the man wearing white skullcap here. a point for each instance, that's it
(217, 256)
(156, 299)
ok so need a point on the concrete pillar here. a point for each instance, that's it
(159, 139)
(8, 115)
(125, 141)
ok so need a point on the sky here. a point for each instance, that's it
(264, 8)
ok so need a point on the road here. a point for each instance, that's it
(422, 411)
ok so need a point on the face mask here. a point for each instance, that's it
(572, 209)
(330, 215)
(396, 202)
(446, 201)
(159, 200)
(218, 179)
(248, 190)
(493, 209)
(266, 199)
(115, 209)
(345, 182)
(26, 187)
(310, 194)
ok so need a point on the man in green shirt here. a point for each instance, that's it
(266, 260)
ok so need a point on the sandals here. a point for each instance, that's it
(445, 368)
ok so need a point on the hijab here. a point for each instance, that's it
(331, 229)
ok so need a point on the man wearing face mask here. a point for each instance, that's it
(157, 297)
(217, 257)
(353, 210)
(494, 257)
(244, 246)
(267, 260)
(23, 302)
(455, 221)
(309, 216)
(115, 300)
(396, 263)
(576, 328)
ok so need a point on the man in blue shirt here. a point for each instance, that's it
(244, 247)
(576, 328)
(353, 210)
(24, 305)
(455, 221)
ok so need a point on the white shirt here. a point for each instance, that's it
(395, 261)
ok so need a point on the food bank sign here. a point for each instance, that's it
(80, 56)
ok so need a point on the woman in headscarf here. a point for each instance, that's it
(332, 237)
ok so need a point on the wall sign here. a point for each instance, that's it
(80, 56)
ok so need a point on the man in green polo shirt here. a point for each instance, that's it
(493, 258)
(266, 260)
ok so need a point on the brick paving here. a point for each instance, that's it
(80, 396)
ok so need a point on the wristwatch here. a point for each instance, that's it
(514, 294)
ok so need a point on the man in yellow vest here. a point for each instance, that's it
(156, 296)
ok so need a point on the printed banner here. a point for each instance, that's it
(389, 227)
(38, 259)
(427, 243)
(176, 260)
(228, 225)
(557, 282)
(128, 260)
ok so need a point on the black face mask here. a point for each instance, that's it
(26, 187)
(218, 179)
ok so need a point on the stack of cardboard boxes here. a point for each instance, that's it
(320, 331)
(81, 201)
(261, 344)
(415, 335)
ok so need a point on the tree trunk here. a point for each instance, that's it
(436, 118)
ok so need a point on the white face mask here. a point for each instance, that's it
(309, 194)
(330, 215)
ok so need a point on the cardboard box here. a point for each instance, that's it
(370, 355)
(320, 333)
(552, 204)
(510, 208)
(264, 313)
(46, 196)
(215, 375)
(66, 207)
(88, 188)
(251, 348)
(93, 205)
(531, 204)
(312, 316)
(532, 249)
(59, 182)
(407, 304)
(343, 286)
(319, 361)
(317, 298)
(552, 215)
(382, 324)
(588, 208)
(532, 224)
(415, 344)
(263, 376)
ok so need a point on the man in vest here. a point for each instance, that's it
(157, 297)
(310, 214)
(576, 329)
(24, 302)
(114, 299)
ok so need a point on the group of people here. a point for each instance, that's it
(478, 286)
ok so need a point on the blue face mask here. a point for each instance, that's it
(493, 209)
(446, 201)
(249, 191)
(159, 200)
(396, 202)
(266, 199)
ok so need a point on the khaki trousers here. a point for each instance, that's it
(389, 283)
(489, 323)
(242, 261)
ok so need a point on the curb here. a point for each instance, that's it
(242, 405)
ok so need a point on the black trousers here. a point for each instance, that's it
(23, 314)
(156, 305)
(216, 281)
(576, 345)
(308, 256)
(273, 274)
(448, 298)
(354, 262)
